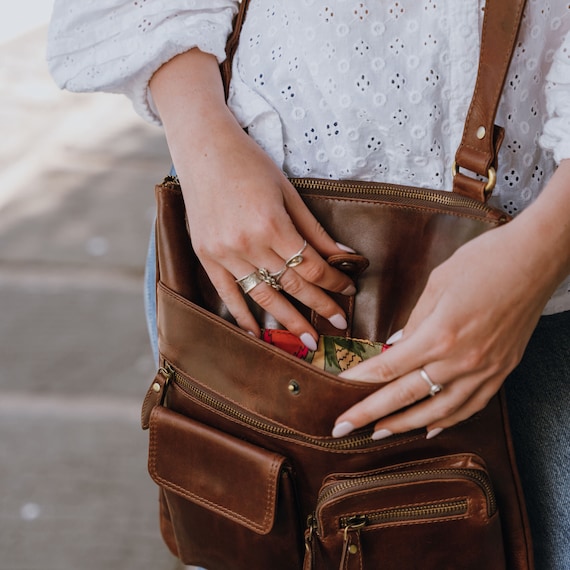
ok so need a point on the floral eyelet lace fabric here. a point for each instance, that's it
(359, 89)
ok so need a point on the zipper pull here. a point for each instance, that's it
(309, 562)
(156, 393)
(351, 549)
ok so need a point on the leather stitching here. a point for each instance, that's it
(269, 514)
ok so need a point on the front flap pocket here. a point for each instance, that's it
(221, 473)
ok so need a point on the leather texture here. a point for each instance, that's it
(243, 395)
(479, 153)
(405, 506)
(243, 462)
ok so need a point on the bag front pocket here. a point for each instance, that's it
(432, 514)
(231, 504)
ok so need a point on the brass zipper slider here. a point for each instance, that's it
(309, 562)
(156, 393)
(355, 522)
(351, 545)
(311, 528)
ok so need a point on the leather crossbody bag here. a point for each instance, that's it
(240, 443)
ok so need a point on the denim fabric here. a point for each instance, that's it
(538, 394)
(150, 295)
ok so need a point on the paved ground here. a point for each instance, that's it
(76, 205)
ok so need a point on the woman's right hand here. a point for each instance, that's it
(243, 213)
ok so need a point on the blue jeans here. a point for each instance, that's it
(538, 397)
(538, 394)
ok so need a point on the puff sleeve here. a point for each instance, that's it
(556, 133)
(117, 45)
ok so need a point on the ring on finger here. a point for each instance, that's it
(272, 279)
(434, 388)
(249, 281)
(297, 258)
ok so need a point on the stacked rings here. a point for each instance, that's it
(263, 275)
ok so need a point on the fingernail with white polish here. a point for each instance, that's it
(349, 291)
(338, 321)
(395, 337)
(308, 341)
(345, 248)
(381, 434)
(433, 433)
(341, 429)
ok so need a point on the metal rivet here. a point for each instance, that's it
(481, 132)
(353, 549)
(156, 387)
(294, 387)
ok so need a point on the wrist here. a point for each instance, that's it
(543, 231)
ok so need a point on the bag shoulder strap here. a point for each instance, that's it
(479, 147)
(232, 44)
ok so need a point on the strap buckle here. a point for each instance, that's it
(491, 176)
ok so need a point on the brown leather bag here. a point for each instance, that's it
(240, 443)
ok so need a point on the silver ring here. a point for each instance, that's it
(433, 387)
(296, 259)
(248, 282)
(271, 279)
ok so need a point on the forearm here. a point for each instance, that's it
(543, 232)
(189, 96)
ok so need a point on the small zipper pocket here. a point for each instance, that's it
(407, 515)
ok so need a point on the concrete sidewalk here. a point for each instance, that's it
(76, 205)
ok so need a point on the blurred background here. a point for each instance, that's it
(77, 174)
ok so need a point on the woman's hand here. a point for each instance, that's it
(471, 325)
(243, 213)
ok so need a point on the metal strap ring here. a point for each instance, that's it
(491, 175)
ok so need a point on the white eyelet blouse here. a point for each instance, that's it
(359, 89)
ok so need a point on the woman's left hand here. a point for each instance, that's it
(468, 330)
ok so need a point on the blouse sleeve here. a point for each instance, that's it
(556, 134)
(117, 45)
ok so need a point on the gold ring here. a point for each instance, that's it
(250, 281)
(296, 259)
(433, 387)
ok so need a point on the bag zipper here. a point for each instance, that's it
(382, 479)
(353, 524)
(396, 193)
(400, 514)
(391, 192)
(356, 441)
